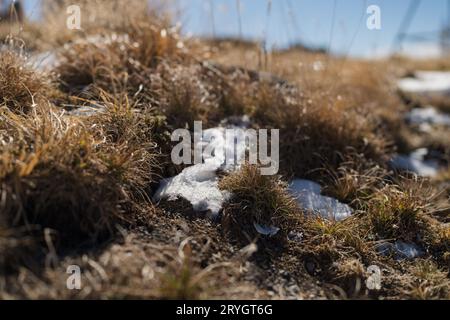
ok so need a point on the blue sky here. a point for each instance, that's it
(310, 21)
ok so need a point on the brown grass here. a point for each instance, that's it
(401, 212)
(76, 189)
(99, 178)
(257, 199)
(21, 88)
(316, 134)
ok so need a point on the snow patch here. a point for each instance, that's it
(400, 250)
(429, 115)
(429, 83)
(45, 61)
(308, 195)
(199, 183)
(265, 230)
(86, 111)
(216, 138)
(417, 164)
(318, 66)
(295, 236)
(301, 186)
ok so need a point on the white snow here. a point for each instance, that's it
(400, 250)
(430, 83)
(265, 230)
(300, 185)
(417, 164)
(429, 115)
(199, 183)
(45, 61)
(408, 250)
(308, 195)
(318, 66)
(295, 236)
(87, 111)
(216, 137)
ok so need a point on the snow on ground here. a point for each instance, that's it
(43, 62)
(265, 230)
(400, 250)
(431, 84)
(199, 183)
(428, 116)
(416, 163)
(223, 146)
(85, 111)
(428, 83)
(308, 195)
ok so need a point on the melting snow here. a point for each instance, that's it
(400, 250)
(265, 230)
(308, 195)
(429, 116)
(318, 65)
(87, 111)
(430, 83)
(45, 61)
(199, 183)
(216, 137)
(417, 164)
(295, 236)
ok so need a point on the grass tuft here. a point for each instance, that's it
(257, 199)
(401, 212)
(21, 88)
(80, 190)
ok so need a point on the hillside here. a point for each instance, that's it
(87, 180)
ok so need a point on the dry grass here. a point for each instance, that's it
(100, 177)
(398, 212)
(167, 263)
(354, 182)
(76, 189)
(115, 62)
(430, 282)
(316, 133)
(21, 88)
(99, 17)
(408, 212)
(259, 200)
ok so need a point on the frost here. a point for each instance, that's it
(400, 250)
(429, 83)
(308, 195)
(417, 164)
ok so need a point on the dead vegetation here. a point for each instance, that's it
(80, 190)
(76, 190)
(258, 200)
(20, 87)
